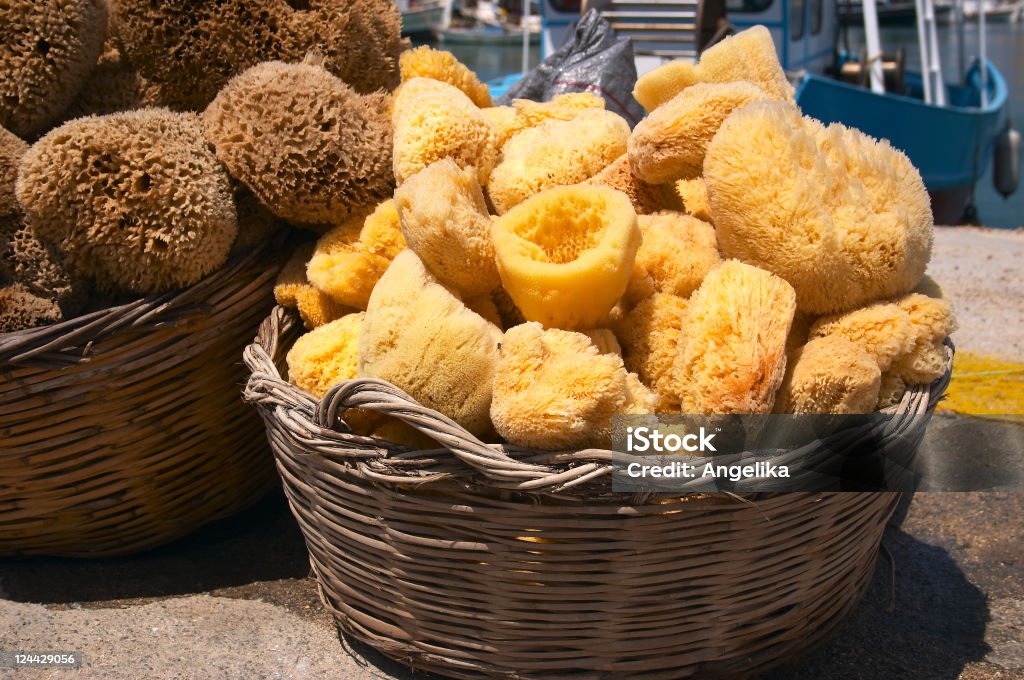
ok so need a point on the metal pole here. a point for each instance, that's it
(939, 83)
(524, 23)
(922, 44)
(961, 43)
(873, 59)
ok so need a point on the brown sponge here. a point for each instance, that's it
(136, 200)
(12, 148)
(114, 85)
(189, 49)
(39, 267)
(21, 310)
(47, 49)
(303, 141)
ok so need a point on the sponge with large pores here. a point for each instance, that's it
(12, 148)
(670, 143)
(47, 49)
(565, 255)
(445, 221)
(844, 219)
(931, 320)
(420, 337)
(676, 253)
(433, 121)
(732, 355)
(137, 200)
(555, 390)
(310, 147)
(556, 153)
(20, 309)
(426, 62)
(829, 374)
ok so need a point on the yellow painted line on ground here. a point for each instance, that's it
(986, 386)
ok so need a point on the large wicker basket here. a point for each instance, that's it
(478, 560)
(124, 428)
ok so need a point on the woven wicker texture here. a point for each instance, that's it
(123, 429)
(479, 560)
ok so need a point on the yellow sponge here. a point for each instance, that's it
(326, 355)
(427, 62)
(419, 336)
(646, 198)
(733, 352)
(555, 390)
(565, 255)
(676, 253)
(931, 320)
(293, 290)
(650, 337)
(695, 198)
(670, 143)
(748, 55)
(656, 87)
(556, 153)
(445, 221)
(829, 374)
(883, 331)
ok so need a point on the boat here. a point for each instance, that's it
(486, 34)
(891, 13)
(422, 16)
(949, 131)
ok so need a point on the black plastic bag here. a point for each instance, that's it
(595, 60)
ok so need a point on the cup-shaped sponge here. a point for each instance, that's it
(189, 49)
(420, 336)
(565, 255)
(829, 374)
(349, 259)
(426, 62)
(843, 218)
(445, 221)
(327, 355)
(556, 153)
(670, 143)
(47, 50)
(434, 120)
(676, 253)
(309, 147)
(137, 200)
(555, 389)
(732, 355)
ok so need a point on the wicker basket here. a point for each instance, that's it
(123, 429)
(479, 560)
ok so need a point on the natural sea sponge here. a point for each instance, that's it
(694, 195)
(659, 85)
(509, 121)
(883, 331)
(890, 391)
(40, 267)
(732, 356)
(670, 143)
(420, 337)
(445, 222)
(931, 320)
(844, 219)
(293, 290)
(604, 340)
(650, 335)
(310, 147)
(21, 310)
(676, 253)
(47, 49)
(136, 200)
(189, 49)
(433, 121)
(426, 62)
(256, 224)
(555, 390)
(556, 153)
(350, 259)
(646, 198)
(326, 355)
(113, 86)
(829, 374)
(12, 148)
(565, 255)
(748, 55)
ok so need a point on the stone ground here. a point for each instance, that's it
(235, 600)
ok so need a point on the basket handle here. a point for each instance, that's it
(383, 397)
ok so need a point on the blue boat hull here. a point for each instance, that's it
(950, 145)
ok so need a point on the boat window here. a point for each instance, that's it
(741, 6)
(565, 5)
(817, 10)
(796, 19)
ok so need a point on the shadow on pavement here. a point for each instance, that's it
(936, 628)
(260, 544)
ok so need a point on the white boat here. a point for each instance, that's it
(421, 16)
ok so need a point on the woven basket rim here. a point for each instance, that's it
(70, 341)
(501, 466)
